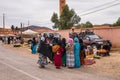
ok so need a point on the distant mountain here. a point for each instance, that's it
(33, 27)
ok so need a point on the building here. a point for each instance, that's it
(7, 31)
(62, 4)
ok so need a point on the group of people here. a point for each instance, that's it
(12, 39)
(69, 53)
(60, 52)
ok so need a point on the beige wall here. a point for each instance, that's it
(112, 34)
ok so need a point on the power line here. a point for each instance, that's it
(102, 5)
(100, 9)
(94, 10)
(108, 3)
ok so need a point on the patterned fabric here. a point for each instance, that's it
(70, 55)
(70, 60)
(42, 60)
(45, 49)
(69, 48)
(89, 61)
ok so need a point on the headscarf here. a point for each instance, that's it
(76, 39)
(70, 40)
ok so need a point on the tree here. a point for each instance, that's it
(88, 24)
(83, 25)
(67, 19)
(117, 22)
(55, 20)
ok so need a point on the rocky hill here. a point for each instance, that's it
(33, 27)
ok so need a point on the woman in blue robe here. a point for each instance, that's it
(77, 52)
(34, 46)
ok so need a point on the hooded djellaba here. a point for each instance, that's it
(44, 51)
(34, 46)
(77, 52)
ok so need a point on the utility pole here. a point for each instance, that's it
(3, 23)
(21, 25)
(28, 23)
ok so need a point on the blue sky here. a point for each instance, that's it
(39, 12)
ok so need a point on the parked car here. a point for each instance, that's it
(95, 40)
(50, 34)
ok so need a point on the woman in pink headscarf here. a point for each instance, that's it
(70, 54)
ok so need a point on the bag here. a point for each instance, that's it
(89, 61)
(55, 48)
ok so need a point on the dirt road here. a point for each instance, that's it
(20, 64)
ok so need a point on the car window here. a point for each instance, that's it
(56, 35)
(86, 38)
(94, 37)
(47, 34)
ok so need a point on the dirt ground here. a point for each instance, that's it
(109, 66)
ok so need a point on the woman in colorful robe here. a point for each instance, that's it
(77, 52)
(44, 51)
(70, 54)
(58, 50)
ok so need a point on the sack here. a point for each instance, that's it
(55, 48)
(89, 61)
(101, 51)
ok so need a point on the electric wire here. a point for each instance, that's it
(99, 9)
(99, 6)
